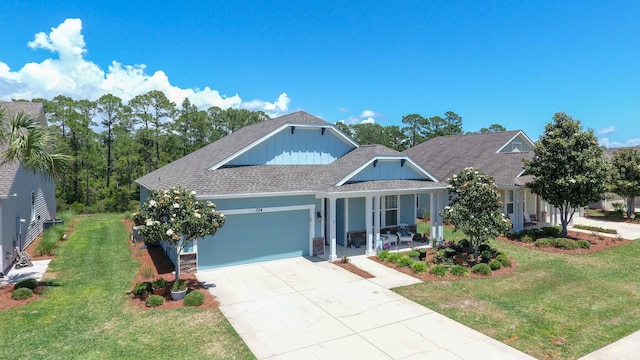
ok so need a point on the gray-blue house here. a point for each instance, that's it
(283, 182)
(27, 198)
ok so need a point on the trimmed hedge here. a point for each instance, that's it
(154, 300)
(482, 269)
(194, 298)
(21, 293)
(595, 228)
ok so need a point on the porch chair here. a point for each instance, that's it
(527, 220)
(404, 235)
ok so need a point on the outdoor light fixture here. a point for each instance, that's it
(319, 216)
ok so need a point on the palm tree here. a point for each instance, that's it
(23, 139)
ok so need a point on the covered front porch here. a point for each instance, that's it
(365, 222)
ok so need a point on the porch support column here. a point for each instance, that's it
(517, 211)
(376, 218)
(322, 219)
(367, 221)
(432, 216)
(332, 229)
(442, 202)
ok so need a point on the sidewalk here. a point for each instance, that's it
(625, 230)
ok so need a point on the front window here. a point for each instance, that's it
(391, 210)
(509, 201)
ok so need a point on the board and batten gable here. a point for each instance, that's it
(295, 146)
(386, 169)
(25, 183)
(520, 143)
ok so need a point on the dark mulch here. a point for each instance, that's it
(429, 277)
(354, 269)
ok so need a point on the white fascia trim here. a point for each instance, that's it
(361, 193)
(268, 209)
(413, 165)
(343, 137)
(527, 139)
(252, 195)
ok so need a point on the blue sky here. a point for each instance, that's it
(515, 63)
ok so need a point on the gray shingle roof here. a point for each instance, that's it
(192, 171)
(444, 156)
(8, 171)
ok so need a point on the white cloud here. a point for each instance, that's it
(607, 130)
(70, 74)
(368, 114)
(615, 144)
(365, 117)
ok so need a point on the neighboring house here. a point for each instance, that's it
(498, 154)
(27, 199)
(610, 199)
(283, 182)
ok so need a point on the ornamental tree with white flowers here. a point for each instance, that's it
(176, 217)
(475, 207)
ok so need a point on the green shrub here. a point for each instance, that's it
(551, 231)
(527, 238)
(394, 257)
(564, 243)
(544, 242)
(49, 241)
(413, 253)
(141, 289)
(486, 256)
(194, 298)
(438, 270)
(618, 207)
(159, 283)
(154, 300)
(384, 255)
(21, 293)
(504, 260)
(482, 269)
(464, 243)
(459, 270)
(419, 267)
(26, 283)
(583, 244)
(495, 264)
(405, 261)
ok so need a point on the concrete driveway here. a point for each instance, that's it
(301, 309)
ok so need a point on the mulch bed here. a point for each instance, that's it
(354, 269)
(429, 277)
(155, 258)
(598, 243)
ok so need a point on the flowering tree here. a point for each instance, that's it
(177, 218)
(625, 179)
(568, 167)
(475, 207)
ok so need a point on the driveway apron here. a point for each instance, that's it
(304, 309)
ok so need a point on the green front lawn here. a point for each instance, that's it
(85, 312)
(580, 302)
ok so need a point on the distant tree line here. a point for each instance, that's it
(111, 142)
